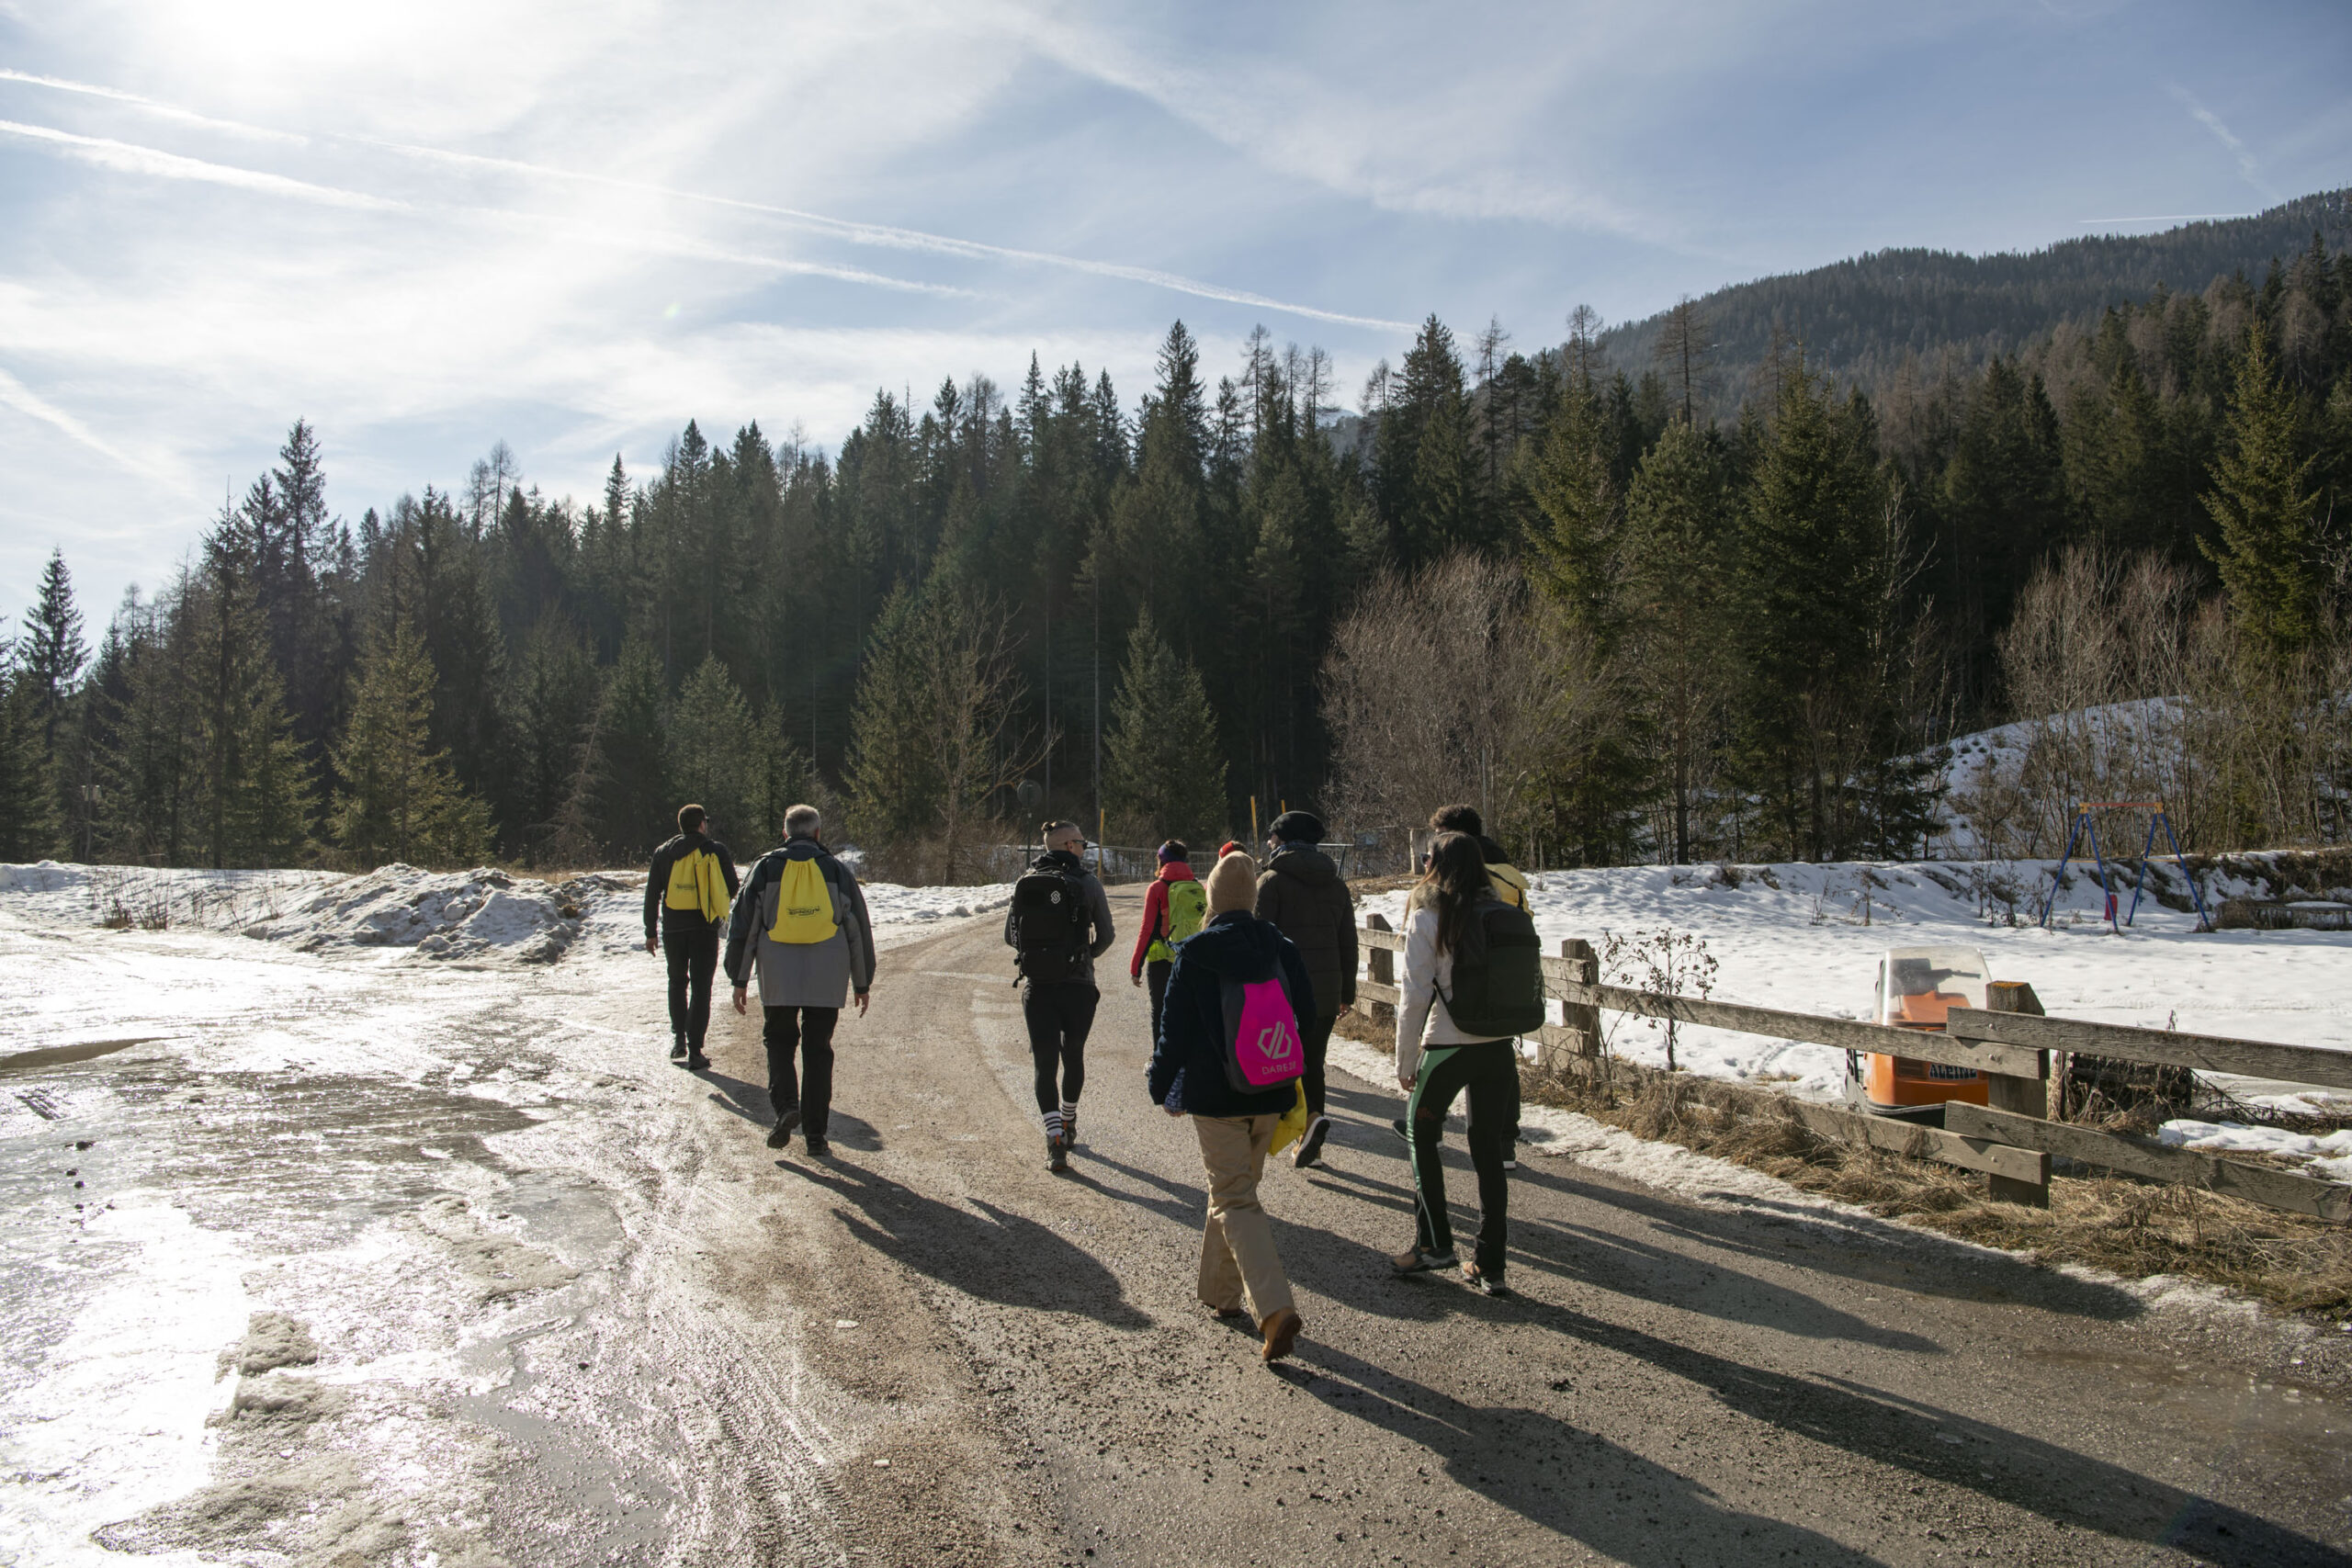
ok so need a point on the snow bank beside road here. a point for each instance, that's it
(483, 913)
(1808, 939)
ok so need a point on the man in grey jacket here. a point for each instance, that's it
(802, 983)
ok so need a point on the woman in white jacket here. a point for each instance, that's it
(1437, 1062)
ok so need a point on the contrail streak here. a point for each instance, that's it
(131, 158)
(15, 395)
(128, 157)
(874, 234)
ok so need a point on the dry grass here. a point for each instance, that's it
(2128, 1227)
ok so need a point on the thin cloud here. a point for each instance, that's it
(872, 234)
(128, 157)
(2227, 138)
(15, 395)
(163, 110)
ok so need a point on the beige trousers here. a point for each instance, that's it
(1237, 1245)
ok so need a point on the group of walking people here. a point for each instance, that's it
(1247, 968)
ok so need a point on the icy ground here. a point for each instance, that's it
(1807, 939)
(192, 1339)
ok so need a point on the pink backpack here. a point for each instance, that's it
(1262, 1049)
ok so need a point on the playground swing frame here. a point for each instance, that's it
(2084, 825)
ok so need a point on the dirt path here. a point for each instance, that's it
(1679, 1382)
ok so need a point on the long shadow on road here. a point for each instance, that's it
(1564, 1479)
(2042, 1478)
(995, 1254)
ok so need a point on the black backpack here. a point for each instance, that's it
(1498, 973)
(1049, 924)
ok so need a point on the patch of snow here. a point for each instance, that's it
(1808, 938)
(458, 914)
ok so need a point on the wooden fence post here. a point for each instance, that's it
(1580, 1016)
(1381, 966)
(2020, 1096)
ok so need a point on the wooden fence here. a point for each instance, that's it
(2011, 1140)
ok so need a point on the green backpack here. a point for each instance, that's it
(1188, 907)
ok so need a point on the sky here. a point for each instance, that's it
(429, 227)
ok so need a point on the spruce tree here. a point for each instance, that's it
(1164, 768)
(400, 799)
(29, 829)
(893, 776)
(634, 806)
(713, 752)
(2261, 500)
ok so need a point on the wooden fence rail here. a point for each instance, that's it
(2012, 1048)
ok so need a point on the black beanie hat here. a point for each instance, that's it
(1297, 827)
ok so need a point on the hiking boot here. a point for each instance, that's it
(677, 1046)
(818, 1148)
(1070, 1126)
(696, 1061)
(1282, 1335)
(1056, 1153)
(786, 1121)
(1413, 1260)
(1310, 1147)
(1485, 1284)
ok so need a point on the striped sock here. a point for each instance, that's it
(1053, 1123)
(1069, 1120)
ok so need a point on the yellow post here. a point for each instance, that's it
(1253, 824)
(1100, 818)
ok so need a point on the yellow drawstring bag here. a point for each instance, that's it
(1293, 1126)
(710, 886)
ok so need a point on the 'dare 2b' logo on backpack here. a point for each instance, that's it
(1262, 1049)
(1049, 925)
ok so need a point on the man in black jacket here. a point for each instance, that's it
(1302, 893)
(676, 921)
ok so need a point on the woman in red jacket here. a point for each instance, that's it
(1173, 910)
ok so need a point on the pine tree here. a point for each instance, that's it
(29, 830)
(1164, 773)
(894, 787)
(714, 756)
(400, 799)
(1680, 653)
(2269, 555)
(53, 655)
(634, 804)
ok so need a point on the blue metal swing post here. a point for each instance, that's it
(2072, 837)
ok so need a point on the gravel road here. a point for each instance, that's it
(341, 1261)
(1677, 1383)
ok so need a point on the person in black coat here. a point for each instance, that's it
(675, 925)
(1236, 1129)
(1303, 893)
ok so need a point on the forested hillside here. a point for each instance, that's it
(1550, 582)
(1860, 320)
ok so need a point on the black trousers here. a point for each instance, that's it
(809, 1033)
(1155, 980)
(1315, 1033)
(1060, 1015)
(1489, 1074)
(693, 953)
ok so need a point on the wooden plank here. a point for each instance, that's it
(1374, 991)
(1380, 936)
(2138, 1157)
(2206, 1053)
(1907, 1138)
(1843, 1033)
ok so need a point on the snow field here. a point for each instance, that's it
(1808, 938)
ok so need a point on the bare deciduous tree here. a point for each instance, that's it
(1449, 685)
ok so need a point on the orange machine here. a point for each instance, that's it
(1917, 987)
